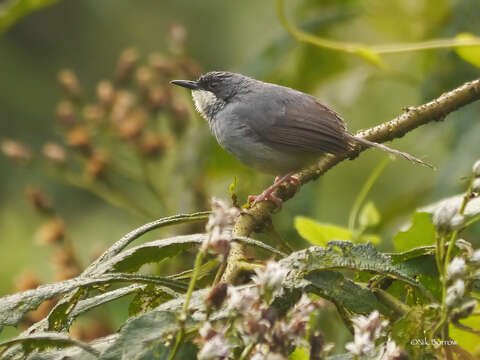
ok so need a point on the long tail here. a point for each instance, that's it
(390, 150)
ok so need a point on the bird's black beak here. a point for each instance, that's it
(193, 85)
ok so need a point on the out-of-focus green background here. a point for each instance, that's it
(242, 36)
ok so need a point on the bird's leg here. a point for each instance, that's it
(268, 193)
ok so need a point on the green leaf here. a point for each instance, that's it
(147, 299)
(132, 259)
(13, 307)
(135, 234)
(369, 216)
(374, 239)
(343, 292)
(300, 353)
(44, 340)
(319, 233)
(470, 54)
(144, 337)
(345, 255)
(421, 233)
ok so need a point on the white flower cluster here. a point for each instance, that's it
(446, 217)
(255, 321)
(455, 292)
(456, 268)
(219, 227)
(270, 279)
(213, 344)
(366, 331)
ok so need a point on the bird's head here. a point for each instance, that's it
(213, 90)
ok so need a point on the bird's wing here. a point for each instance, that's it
(295, 122)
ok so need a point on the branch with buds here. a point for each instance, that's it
(256, 217)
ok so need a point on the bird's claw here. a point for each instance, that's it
(268, 194)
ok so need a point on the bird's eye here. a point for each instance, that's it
(213, 85)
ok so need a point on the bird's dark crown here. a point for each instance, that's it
(223, 84)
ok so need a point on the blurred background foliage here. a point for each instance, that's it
(183, 38)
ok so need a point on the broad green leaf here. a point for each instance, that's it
(300, 353)
(146, 336)
(413, 253)
(369, 216)
(466, 339)
(44, 340)
(345, 255)
(343, 292)
(413, 326)
(13, 307)
(374, 239)
(319, 233)
(133, 259)
(148, 298)
(421, 233)
(470, 54)
(135, 234)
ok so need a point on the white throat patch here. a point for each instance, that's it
(203, 100)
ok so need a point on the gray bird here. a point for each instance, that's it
(271, 128)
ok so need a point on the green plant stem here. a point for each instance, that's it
(183, 315)
(364, 192)
(246, 352)
(362, 49)
(445, 260)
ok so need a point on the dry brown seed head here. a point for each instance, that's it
(93, 114)
(69, 82)
(96, 164)
(132, 126)
(51, 232)
(122, 105)
(153, 144)
(38, 199)
(65, 113)
(26, 280)
(105, 93)
(144, 77)
(158, 97)
(79, 138)
(16, 151)
(55, 153)
(162, 65)
(126, 63)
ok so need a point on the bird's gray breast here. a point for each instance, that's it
(231, 126)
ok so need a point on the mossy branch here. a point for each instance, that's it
(256, 217)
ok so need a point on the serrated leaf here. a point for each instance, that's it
(333, 286)
(146, 336)
(148, 298)
(470, 54)
(345, 255)
(369, 216)
(421, 233)
(135, 234)
(44, 340)
(320, 233)
(13, 307)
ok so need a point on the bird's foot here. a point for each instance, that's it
(268, 194)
